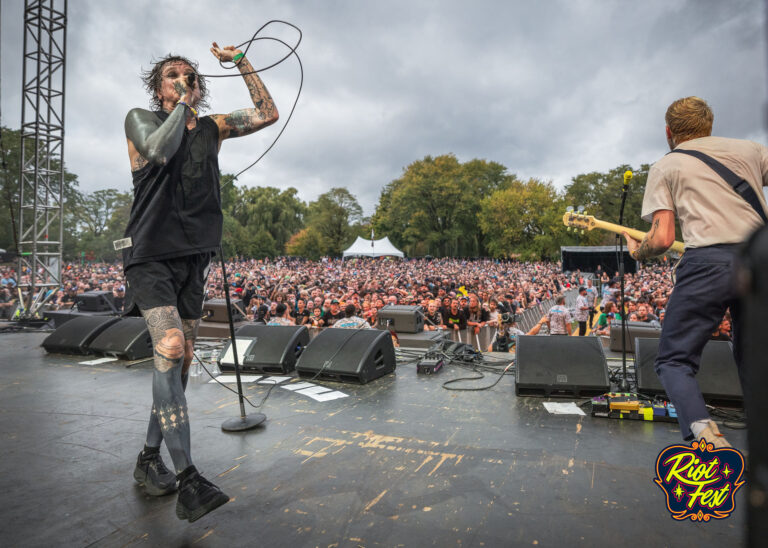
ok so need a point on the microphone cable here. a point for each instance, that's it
(292, 51)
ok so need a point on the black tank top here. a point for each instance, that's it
(176, 208)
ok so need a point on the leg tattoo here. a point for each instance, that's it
(189, 328)
(169, 419)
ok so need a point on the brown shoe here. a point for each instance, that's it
(713, 436)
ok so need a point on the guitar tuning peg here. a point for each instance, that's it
(582, 231)
(569, 209)
(568, 229)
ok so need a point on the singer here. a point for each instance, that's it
(174, 228)
(717, 211)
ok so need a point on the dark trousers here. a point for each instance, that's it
(582, 329)
(704, 289)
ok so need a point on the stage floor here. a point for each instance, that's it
(397, 462)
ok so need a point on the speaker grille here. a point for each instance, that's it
(718, 375)
(348, 355)
(273, 348)
(560, 366)
(75, 336)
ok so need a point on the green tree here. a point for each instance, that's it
(280, 213)
(267, 216)
(94, 210)
(99, 218)
(307, 243)
(331, 217)
(232, 236)
(524, 219)
(600, 195)
(229, 192)
(432, 208)
(10, 165)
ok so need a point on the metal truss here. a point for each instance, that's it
(41, 181)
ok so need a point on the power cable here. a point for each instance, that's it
(325, 365)
(264, 399)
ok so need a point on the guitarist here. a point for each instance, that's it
(717, 210)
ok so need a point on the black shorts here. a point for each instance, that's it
(178, 282)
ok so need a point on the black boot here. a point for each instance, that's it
(151, 473)
(197, 495)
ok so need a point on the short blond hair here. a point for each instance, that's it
(689, 118)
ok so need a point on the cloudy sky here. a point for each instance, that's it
(550, 89)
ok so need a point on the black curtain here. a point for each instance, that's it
(587, 261)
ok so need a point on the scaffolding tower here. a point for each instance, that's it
(41, 181)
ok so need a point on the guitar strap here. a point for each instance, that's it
(742, 187)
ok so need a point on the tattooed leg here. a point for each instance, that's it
(189, 328)
(154, 432)
(169, 409)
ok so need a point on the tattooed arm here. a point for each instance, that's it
(152, 140)
(658, 240)
(247, 120)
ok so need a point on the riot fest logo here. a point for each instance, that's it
(699, 481)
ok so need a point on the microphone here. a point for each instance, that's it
(627, 177)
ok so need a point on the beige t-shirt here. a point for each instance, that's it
(709, 210)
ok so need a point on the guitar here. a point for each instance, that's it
(588, 222)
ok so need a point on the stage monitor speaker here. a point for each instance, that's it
(127, 339)
(348, 355)
(424, 340)
(560, 366)
(215, 311)
(266, 348)
(718, 375)
(634, 330)
(95, 301)
(75, 336)
(60, 317)
(404, 319)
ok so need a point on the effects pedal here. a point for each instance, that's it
(625, 405)
(429, 366)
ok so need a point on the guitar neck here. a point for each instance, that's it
(679, 247)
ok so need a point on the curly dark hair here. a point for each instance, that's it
(152, 79)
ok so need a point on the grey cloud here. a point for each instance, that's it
(549, 89)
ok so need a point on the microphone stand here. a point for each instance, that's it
(243, 422)
(624, 383)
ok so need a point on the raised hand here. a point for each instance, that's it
(244, 121)
(227, 53)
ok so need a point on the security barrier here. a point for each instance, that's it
(482, 340)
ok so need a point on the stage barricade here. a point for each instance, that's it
(482, 340)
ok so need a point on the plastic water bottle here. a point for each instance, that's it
(215, 362)
(197, 369)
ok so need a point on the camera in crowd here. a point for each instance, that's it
(508, 317)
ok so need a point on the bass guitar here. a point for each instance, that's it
(589, 222)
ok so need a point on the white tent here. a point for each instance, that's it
(372, 248)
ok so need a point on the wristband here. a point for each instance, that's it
(189, 107)
(237, 57)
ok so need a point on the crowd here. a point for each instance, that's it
(454, 293)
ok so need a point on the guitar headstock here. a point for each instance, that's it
(578, 219)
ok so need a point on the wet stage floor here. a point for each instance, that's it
(397, 462)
